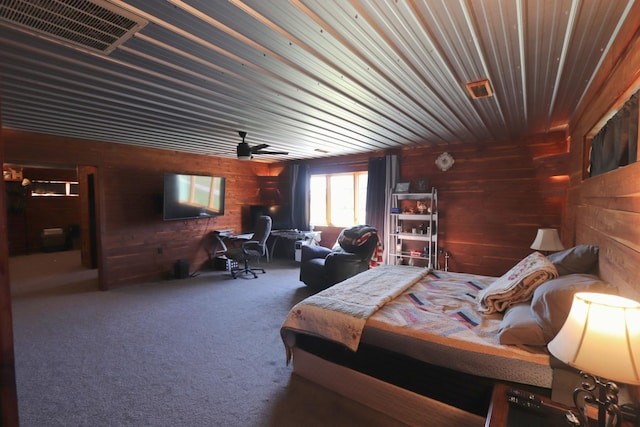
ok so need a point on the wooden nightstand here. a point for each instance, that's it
(505, 414)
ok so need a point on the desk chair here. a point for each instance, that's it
(251, 249)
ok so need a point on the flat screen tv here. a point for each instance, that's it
(192, 196)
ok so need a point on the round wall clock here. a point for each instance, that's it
(445, 161)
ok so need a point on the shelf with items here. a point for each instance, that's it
(414, 221)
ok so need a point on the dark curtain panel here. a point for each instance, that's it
(617, 142)
(376, 193)
(383, 174)
(299, 196)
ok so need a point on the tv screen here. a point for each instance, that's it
(280, 216)
(192, 196)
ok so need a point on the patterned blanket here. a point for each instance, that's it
(430, 315)
(441, 306)
(441, 311)
(340, 312)
(517, 284)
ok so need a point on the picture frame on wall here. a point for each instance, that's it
(401, 187)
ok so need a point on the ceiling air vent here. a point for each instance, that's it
(95, 25)
(480, 89)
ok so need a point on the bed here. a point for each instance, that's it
(411, 342)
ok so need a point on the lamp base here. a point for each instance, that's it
(601, 393)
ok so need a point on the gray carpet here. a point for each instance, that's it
(202, 351)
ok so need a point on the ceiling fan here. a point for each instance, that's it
(246, 152)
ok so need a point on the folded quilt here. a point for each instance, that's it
(518, 284)
(340, 312)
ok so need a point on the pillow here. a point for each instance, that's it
(552, 300)
(579, 259)
(354, 239)
(517, 285)
(519, 327)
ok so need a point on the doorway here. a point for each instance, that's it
(53, 209)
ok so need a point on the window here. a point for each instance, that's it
(339, 199)
(616, 144)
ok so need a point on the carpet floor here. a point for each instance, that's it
(201, 351)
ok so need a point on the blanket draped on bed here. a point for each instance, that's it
(340, 312)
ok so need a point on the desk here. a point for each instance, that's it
(220, 237)
(310, 237)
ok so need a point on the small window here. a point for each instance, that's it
(616, 143)
(339, 199)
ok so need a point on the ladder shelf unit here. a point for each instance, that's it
(413, 237)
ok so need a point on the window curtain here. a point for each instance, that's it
(376, 194)
(299, 196)
(383, 174)
(616, 144)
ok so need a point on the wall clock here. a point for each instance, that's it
(445, 161)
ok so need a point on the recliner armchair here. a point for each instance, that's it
(321, 267)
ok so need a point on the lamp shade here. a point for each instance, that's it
(547, 239)
(601, 336)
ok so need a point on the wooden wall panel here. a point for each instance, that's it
(605, 210)
(494, 198)
(8, 392)
(491, 202)
(134, 243)
(608, 214)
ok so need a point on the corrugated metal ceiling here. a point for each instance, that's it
(313, 78)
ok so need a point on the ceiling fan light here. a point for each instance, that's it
(243, 151)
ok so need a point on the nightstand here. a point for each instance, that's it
(505, 414)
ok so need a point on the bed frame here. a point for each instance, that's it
(606, 213)
(403, 405)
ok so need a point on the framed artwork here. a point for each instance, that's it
(401, 187)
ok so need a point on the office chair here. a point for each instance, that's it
(251, 249)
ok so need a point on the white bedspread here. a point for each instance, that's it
(340, 312)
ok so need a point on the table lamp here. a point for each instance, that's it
(547, 240)
(601, 338)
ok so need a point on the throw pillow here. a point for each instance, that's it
(579, 259)
(552, 300)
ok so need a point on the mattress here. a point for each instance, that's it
(435, 319)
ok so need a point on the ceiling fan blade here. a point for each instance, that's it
(270, 152)
(258, 147)
(244, 151)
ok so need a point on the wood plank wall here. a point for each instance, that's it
(135, 244)
(491, 202)
(8, 393)
(608, 214)
(494, 198)
(605, 210)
